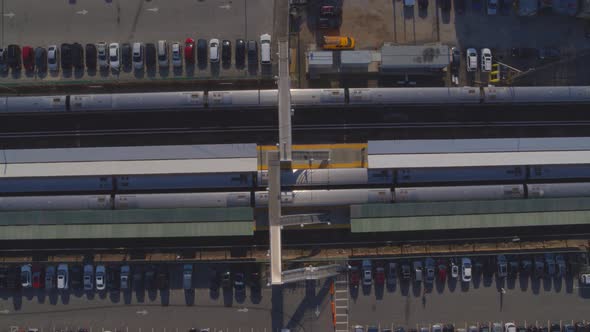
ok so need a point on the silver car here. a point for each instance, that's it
(88, 277)
(53, 58)
(103, 60)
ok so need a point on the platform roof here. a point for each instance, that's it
(430, 216)
(478, 152)
(88, 224)
(165, 159)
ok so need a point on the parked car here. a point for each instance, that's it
(497, 327)
(454, 269)
(255, 282)
(138, 56)
(555, 327)
(138, 278)
(214, 50)
(442, 270)
(149, 277)
(226, 52)
(88, 277)
(113, 279)
(26, 276)
(437, 328)
(523, 52)
(77, 56)
(50, 277)
(66, 56)
(550, 265)
(539, 267)
(62, 276)
(252, 47)
(509, 327)
(126, 55)
(406, 274)
(409, 3)
(486, 59)
(265, 53)
(163, 61)
(367, 273)
(90, 56)
(417, 270)
(214, 281)
(513, 268)
(103, 61)
(38, 277)
(177, 55)
(226, 280)
(561, 266)
(114, 59)
(76, 277)
(471, 59)
(445, 5)
(455, 58)
(422, 4)
(189, 51)
(41, 59)
(28, 58)
(379, 274)
(465, 269)
(429, 266)
(239, 282)
(549, 53)
(150, 56)
(187, 276)
(163, 277)
(124, 277)
(240, 52)
(202, 52)
(526, 265)
(101, 275)
(354, 274)
(13, 57)
(492, 7)
(3, 64)
(391, 274)
(502, 266)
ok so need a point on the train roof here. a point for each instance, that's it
(478, 152)
(170, 159)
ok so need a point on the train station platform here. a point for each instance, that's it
(351, 155)
(141, 223)
(432, 216)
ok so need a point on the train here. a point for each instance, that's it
(295, 198)
(324, 98)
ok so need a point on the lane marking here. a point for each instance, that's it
(82, 12)
(9, 15)
(153, 10)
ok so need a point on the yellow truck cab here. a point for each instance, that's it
(338, 43)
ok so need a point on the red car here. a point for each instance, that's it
(38, 277)
(379, 275)
(189, 50)
(354, 274)
(28, 58)
(442, 270)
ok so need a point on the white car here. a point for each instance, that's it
(492, 7)
(486, 59)
(100, 277)
(62, 276)
(214, 50)
(103, 61)
(137, 56)
(50, 277)
(466, 269)
(88, 277)
(265, 57)
(53, 58)
(176, 54)
(509, 327)
(454, 270)
(471, 59)
(162, 53)
(367, 273)
(26, 273)
(114, 58)
(437, 328)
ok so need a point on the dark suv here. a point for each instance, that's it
(77, 56)
(66, 56)
(91, 56)
(202, 52)
(150, 56)
(252, 53)
(240, 52)
(13, 57)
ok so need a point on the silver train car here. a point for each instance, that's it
(414, 96)
(550, 190)
(56, 184)
(97, 202)
(138, 101)
(460, 174)
(458, 193)
(33, 104)
(329, 177)
(536, 95)
(184, 181)
(242, 98)
(337, 197)
(182, 200)
(559, 172)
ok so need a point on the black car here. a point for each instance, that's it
(13, 57)
(513, 267)
(76, 277)
(489, 266)
(423, 4)
(581, 327)
(240, 52)
(460, 6)
(126, 55)
(77, 56)
(445, 5)
(13, 278)
(226, 52)
(226, 280)
(91, 56)
(214, 281)
(449, 328)
(252, 47)
(162, 277)
(149, 277)
(255, 282)
(41, 59)
(66, 56)
(3, 276)
(555, 327)
(202, 51)
(150, 56)
(113, 278)
(137, 280)
(455, 58)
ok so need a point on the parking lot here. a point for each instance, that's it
(33, 23)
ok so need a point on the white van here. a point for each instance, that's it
(265, 57)
(162, 53)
